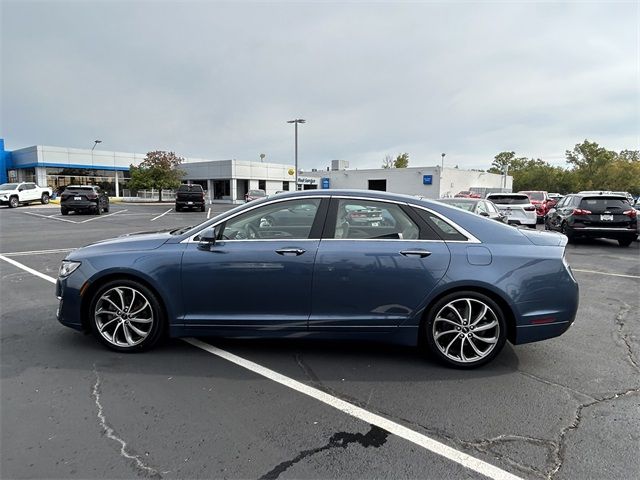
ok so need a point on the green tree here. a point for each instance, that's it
(506, 160)
(590, 164)
(158, 170)
(401, 161)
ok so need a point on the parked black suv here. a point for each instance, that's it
(594, 216)
(83, 198)
(190, 196)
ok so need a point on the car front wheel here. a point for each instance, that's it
(126, 316)
(465, 329)
(44, 199)
(625, 242)
(13, 202)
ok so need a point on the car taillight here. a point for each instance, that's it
(530, 209)
(631, 213)
(92, 196)
(580, 211)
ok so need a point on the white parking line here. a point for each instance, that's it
(390, 426)
(28, 269)
(605, 273)
(37, 252)
(161, 215)
(103, 216)
(209, 213)
(50, 217)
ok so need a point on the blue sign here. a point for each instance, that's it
(324, 183)
(427, 179)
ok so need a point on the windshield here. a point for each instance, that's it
(256, 193)
(509, 199)
(463, 205)
(8, 186)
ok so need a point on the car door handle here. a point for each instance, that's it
(290, 251)
(415, 253)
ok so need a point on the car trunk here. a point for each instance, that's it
(78, 195)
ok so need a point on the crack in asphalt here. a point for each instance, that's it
(555, 384)
(561, 444)
(139, 465)
(620, 319)
(375, 437)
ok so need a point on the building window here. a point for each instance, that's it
(285, 186)
(262, 185)
(379, 185)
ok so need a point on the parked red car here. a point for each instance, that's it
(467, 194)
(540, 199)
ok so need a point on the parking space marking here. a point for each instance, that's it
(28, 269)
(605, 273)
(161, 215)
(50, 217)
(428, 443)
(209, 213)
(38, 252)
(103, 216)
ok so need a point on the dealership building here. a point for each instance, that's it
(227, 181)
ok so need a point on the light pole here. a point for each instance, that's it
(442, 155)
(296, 122)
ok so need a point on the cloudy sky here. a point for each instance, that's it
(220, 79)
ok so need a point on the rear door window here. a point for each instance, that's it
(373, 220)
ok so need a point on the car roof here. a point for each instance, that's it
(500, 194)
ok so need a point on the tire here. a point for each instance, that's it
(178, 209)
(106, 209)
(625, 242)
(565, 231)
(64, 211)
(119, 330)
(202, 208)
(44, 199)
(14, 202)
(447, 339)
(98, 210)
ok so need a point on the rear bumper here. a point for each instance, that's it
(189, 203)
(604, 232)
(83, 205)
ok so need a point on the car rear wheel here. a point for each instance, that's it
(98, 210)
(625, 242)
(14, 202)
(126, 316)
(64, 211)
(44, 199)
(565, 230)
(178, 209)
(465, 329)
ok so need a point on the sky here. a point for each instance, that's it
(219, 80)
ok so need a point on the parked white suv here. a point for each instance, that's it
(13, 194)
(517, 207)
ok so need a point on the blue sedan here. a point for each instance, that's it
(454, 283)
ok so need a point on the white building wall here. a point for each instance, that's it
(456, 180)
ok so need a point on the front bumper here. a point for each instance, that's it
(69, 312)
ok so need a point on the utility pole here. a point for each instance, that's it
(296, 122)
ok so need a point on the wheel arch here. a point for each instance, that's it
(500, 300)
(95, 284)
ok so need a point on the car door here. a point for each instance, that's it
(256, 275)
(373, 276)
(557, 214)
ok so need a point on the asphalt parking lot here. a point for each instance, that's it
(564, 408)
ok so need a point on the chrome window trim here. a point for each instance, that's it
(190, 239)
(470, 237)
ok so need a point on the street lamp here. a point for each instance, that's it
(296, 122)
(95, 142)
(442, 155)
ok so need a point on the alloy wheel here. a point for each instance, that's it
(466, 330)
(123, 316)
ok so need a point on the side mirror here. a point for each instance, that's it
(207, 238)
(484, 214)
(21, 189)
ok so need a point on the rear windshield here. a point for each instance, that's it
(463, 205)
(79, 188)
(599, 203)
(257, 193)
(509, 199)
(539, 196)
(190, 188)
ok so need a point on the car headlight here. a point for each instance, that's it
(67, 267)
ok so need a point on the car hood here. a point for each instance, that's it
(124, 243)
(8, 191)
(551, 239)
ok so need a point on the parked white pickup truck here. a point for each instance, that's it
(13, 194)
